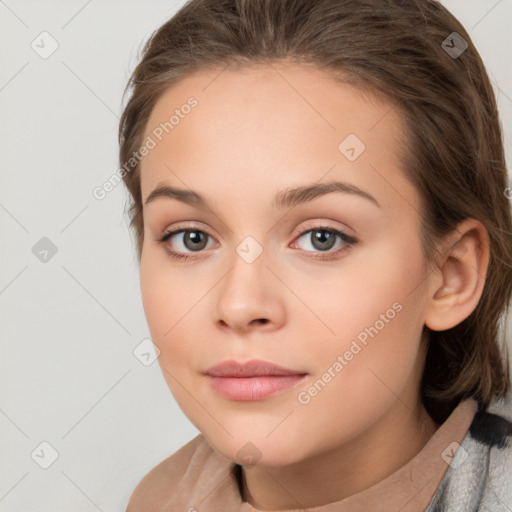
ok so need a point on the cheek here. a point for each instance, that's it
(174, 303)
(165, 303)
(165, 294)
(176, 319)
(374, 312)
(366, 291)
(356, 382)
(158, 298)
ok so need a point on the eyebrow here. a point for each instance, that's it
(287, 198)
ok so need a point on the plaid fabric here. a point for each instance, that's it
(479, 478)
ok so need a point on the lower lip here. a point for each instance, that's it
(253, 388)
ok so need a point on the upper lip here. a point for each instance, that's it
(253, 368)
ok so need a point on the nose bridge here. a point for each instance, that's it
(245, 282)
(246, 293)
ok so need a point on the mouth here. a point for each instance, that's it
(251, 381)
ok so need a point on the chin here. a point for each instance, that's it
(250, 450)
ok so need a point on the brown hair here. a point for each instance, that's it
(453, 152)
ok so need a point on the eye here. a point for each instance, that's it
(193, 240)
(324, 239)
(181, 243)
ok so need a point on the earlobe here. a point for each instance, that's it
(457, 286)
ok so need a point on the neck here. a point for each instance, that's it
(328, 477)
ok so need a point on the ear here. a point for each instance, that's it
(457, 284)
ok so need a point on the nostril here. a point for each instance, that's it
(261, 321)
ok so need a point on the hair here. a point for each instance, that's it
(453, 152)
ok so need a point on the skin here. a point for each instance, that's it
(254, 132)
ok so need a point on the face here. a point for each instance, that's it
(328, 283)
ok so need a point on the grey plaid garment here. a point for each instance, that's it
(479, 478)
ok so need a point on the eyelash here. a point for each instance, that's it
(349, 241)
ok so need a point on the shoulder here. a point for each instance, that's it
(171, 475)
(479, 477)
(492, 433)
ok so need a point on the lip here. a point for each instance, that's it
(253, 380)
(252, 368)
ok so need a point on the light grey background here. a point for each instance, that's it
(70, 325)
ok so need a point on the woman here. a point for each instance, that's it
(319, 199)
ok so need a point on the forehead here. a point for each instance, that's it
(303, 91)
(273, 121)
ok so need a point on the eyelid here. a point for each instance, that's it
(312, 225)
(322, 225)
(176, 228)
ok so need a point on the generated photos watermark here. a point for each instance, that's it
(342, 360)
(150, 142)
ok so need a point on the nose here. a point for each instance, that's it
(250, 297)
